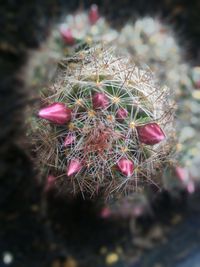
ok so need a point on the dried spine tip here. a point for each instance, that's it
(111, 126)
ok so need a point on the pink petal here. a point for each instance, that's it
(121, 114)
(150, 134)
(93, 14)
(125, 166)
(67, 36)
(56, 113)
(69, 139)
(100, 100)
(74, 167)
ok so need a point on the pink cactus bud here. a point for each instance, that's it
(93, 14)
(182, 174)
(191, 187)
(50, 183)
(150, 134)
(67, 36)
(125, 166)
(197, 84)
(69, 139)
(105, 213)
(121, 114)
(138, 211)
(56, 113)
(74, 167)
(100, 100)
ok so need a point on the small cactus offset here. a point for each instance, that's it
(85, 28)
(105, 127)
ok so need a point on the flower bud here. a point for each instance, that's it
(69, 139)
(125, 166)
(74, 167)
(93, 14)
(105, 213)
(57, 113)
(67, 36)
(150, 134)
(197, 84)
(121, 114)
(50, 183)
(100, 100)
(184, 176)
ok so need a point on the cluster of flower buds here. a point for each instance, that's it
(111, 124)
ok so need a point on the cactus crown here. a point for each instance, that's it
(110, 124)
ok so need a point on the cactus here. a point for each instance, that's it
(85, 28)
(74, 32)
(154, 43)
(105, 127)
